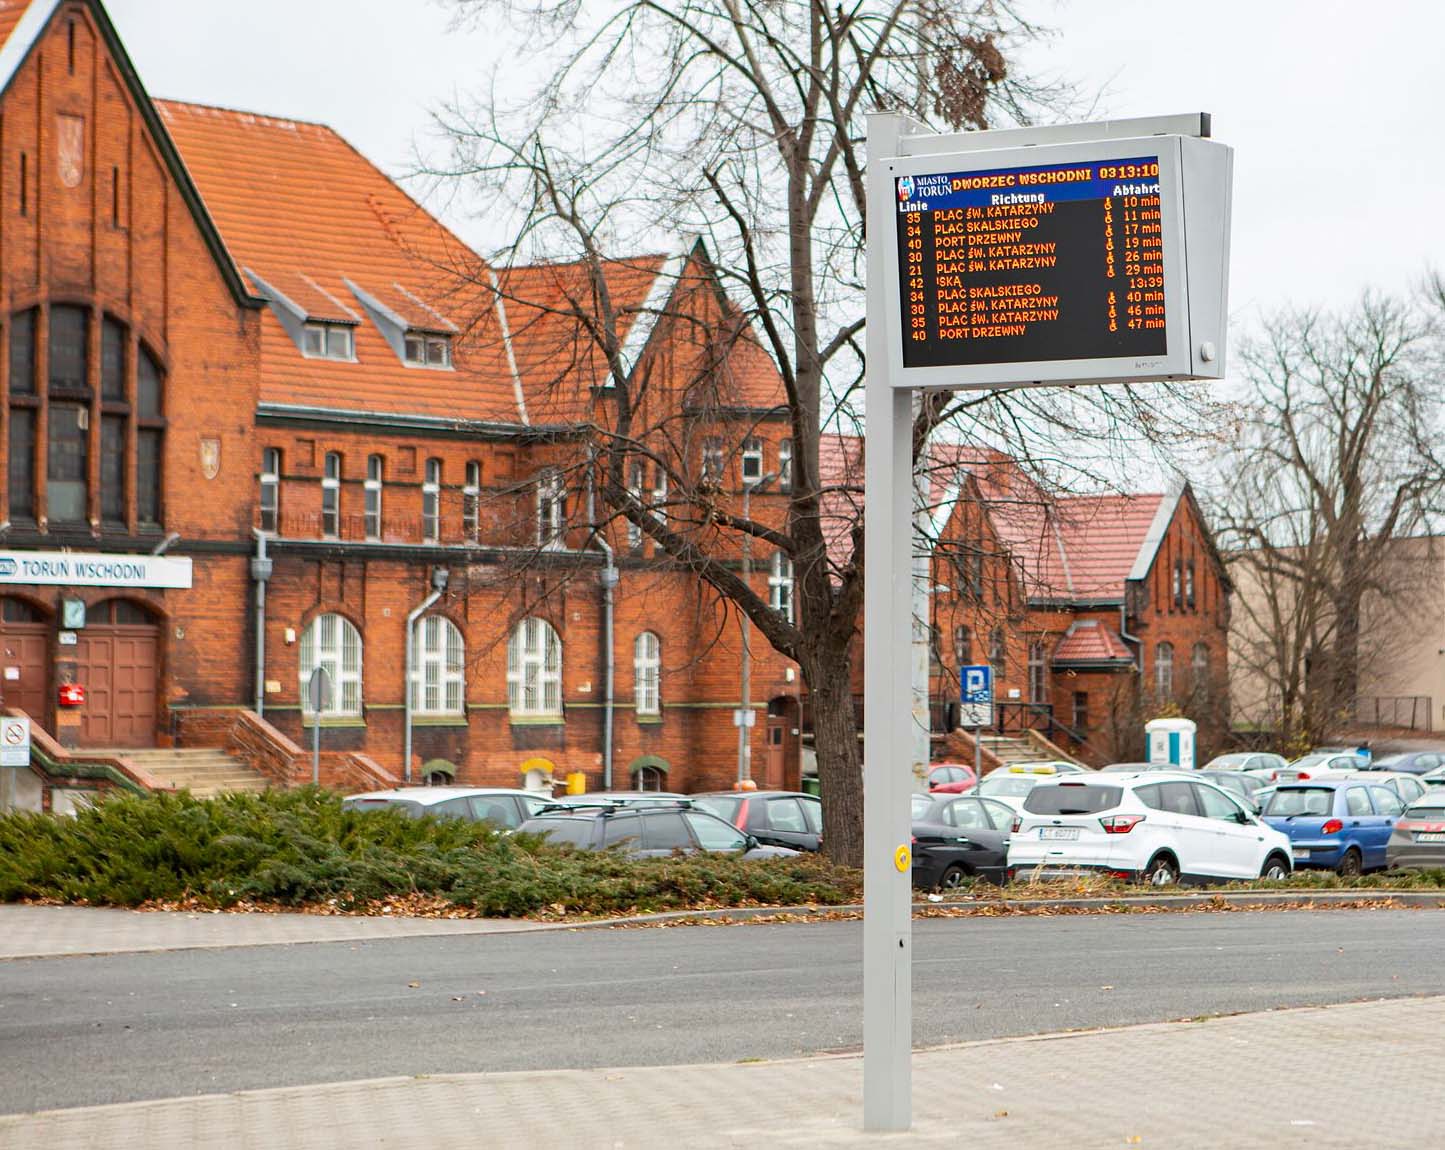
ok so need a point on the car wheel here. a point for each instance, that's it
(1161, 871)
(952, 878)
(1351, 864)
(1275, 868)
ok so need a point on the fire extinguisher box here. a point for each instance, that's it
(72, 695)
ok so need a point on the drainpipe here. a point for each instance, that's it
(438, 584)
(260, 572)
(1128, 638)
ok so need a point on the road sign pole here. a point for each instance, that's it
(887, 692)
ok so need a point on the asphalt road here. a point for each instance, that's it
(84, 1031)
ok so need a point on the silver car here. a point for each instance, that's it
(499, 806)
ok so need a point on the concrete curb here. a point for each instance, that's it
(1205, 900)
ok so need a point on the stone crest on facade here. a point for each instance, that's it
(70, 149)
(210, 458)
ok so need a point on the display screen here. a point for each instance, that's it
(1011, 265)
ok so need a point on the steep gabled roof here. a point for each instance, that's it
(23, 22)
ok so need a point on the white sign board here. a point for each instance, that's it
(14, 742)
(93, 569)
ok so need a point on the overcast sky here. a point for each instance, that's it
(1333, 107)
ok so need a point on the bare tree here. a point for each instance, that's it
(1337, 458)
(741, 122)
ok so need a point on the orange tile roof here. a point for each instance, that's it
(304, 213)
(1089, 641)
(1070, 547)
(10, 13)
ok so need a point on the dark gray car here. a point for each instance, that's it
(651, 832)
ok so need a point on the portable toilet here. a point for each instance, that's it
(1171, 741)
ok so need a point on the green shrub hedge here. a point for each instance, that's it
(300, 848)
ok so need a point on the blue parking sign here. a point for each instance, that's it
(977, 684)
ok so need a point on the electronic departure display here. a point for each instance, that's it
(1061, 261)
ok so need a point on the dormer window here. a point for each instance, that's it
(426, 350)
(328, 341)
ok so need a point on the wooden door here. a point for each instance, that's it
(117, 666)
(25, 651)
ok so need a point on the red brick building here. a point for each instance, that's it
(1096, 612)
(231, 339)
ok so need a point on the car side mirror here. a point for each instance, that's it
(1243, 818)
(750, 842)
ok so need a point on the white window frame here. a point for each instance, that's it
(270, 493)
(712, 459)
(375, 474)
(636, 475)
(647, 672)
(331, 495)
(427, 349)
(780, 585)
(431, 502)
(331, 641)
(659, 493)
(534, 670)
(1038, 672)
(324, 335)
(551, 509)
(438, 674)
(472, 502)
(1164, 670)
(750, 466)
(785, 465)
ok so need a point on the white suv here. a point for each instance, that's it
(1159, 829)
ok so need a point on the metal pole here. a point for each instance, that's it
(887, 635)
(316, 750)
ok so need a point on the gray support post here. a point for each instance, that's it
(888, 717)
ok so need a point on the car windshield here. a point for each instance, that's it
(1072, 799)
(1009, 786)
(1429, 807)
(921, 803)
(1232, 762)
(1314, 759)
(1388, 762)
(1312, 801)
(405, 806)
(724, 806)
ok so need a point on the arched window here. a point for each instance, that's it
(150, 426)
(438, 684)
(648, 779)
(534, 670)
(1199, 671)
(647, 665)
(1164, 671)
(332, 642)
(962, 646)
(67, 447)
(1038, 672)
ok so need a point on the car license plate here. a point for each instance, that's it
(1301, 852)
(1430, 837)
(1058, 832)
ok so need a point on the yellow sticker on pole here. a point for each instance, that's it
(901, 858)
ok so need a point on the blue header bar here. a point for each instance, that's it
(1048, 184)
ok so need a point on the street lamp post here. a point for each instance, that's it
(745, 708)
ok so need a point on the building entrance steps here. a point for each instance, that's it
(204, 771)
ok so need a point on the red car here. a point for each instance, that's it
(950, 779)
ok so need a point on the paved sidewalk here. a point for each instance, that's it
(1232, 1082)
(53, 931)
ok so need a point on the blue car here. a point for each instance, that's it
(1341, 825)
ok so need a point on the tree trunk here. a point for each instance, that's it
(840, 771)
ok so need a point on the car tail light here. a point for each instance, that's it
(1120, 824)
(1332, 827)
(1303, 775)
(1018, 822)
